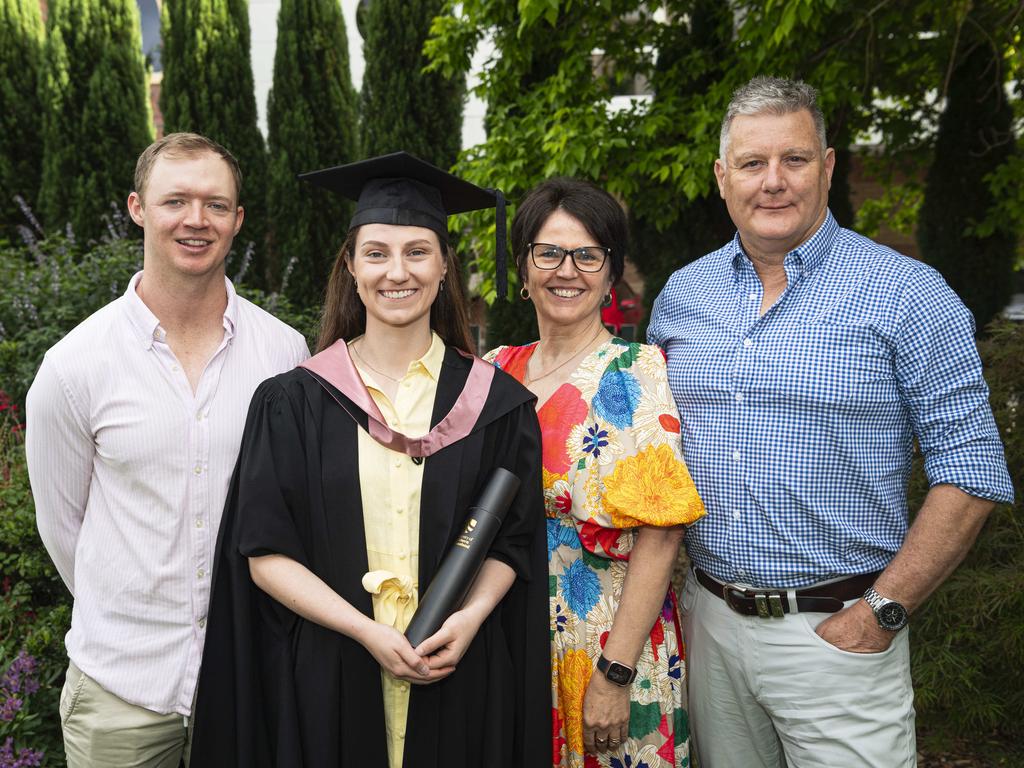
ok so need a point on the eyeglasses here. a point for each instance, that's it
(587, 258)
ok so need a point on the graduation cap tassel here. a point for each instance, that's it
(500, 259)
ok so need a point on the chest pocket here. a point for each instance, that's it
(833, 363)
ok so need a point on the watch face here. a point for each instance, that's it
(619, 673)
(892, 616)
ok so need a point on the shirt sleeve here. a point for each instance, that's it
(655, 329)
(59, 448)
(940, 378)
(648, 482)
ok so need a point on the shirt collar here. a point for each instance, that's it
(811, 253)
(147, 326)
(432, 359)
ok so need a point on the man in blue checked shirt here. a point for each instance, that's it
(805, 360)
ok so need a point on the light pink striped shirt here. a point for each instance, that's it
(130, 472)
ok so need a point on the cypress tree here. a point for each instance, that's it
(95, 114)
(974, 138)
(402, 106)
(208, 89)
(311, 117)
(21, 147)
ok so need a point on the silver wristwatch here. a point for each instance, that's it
(891, 616)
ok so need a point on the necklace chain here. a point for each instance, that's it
(367, 364)
(527, 380)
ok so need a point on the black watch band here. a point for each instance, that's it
(615, 671)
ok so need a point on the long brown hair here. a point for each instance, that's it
(344, 316)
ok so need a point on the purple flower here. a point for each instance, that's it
(26, 758)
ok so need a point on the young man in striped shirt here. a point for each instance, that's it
(134, 423)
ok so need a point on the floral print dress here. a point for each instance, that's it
(611, 455)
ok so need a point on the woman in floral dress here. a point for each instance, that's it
(616, 489)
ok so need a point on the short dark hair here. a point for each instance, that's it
(595, 209)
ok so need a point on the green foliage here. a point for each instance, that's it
(34, 604)
(21, 148)
(50, 288)
(311, 115)
(968, 641)
(95, 113)
(207, 88)
(974, 140)
(550, 97)
(404, 107)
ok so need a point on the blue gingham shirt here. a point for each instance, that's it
(798, 425)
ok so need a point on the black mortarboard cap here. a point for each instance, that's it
(402, 189)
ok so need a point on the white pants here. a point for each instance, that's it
(104, 731)
(771, 693)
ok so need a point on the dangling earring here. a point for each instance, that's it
(524, 293)
(440, 288)
(607, 300)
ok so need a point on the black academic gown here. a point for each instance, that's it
(277, 690)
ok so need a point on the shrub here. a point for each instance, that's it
(968, 640)
(34, 616)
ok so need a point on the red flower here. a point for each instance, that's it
(557, 740)
(669, 423)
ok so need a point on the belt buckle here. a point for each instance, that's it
(768, 604)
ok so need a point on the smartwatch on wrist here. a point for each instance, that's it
(891, 616)
(615, 671)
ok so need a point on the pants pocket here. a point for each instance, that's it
(689, 594)
(71, 693)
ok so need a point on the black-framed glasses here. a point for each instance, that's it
(587, 258)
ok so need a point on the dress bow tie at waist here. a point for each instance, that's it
(394, 598)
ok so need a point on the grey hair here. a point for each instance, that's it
(774, 96)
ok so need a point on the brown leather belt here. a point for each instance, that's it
(775, 603)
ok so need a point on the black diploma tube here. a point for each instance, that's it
(460, 566)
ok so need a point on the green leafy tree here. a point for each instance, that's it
(208, 89)
(95, 113)
(404, 107)
(21, 147)
(311, 114)
(657, 154)
(975, 138)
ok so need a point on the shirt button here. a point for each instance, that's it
(199, 522)
(753, 297)
(199, 416)
(748, 343)
(174, 368)
(200, 573)
(736, 514)
(198, 469)
(739, 397)
(402, 556)
(736, 455)
(202, 622)
(398, 462)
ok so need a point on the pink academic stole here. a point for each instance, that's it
(334, 366)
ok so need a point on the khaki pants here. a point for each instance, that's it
(769, 693)
(104, 731)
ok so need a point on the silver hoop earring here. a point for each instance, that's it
(524, 293)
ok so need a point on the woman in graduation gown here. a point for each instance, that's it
(353, 481)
